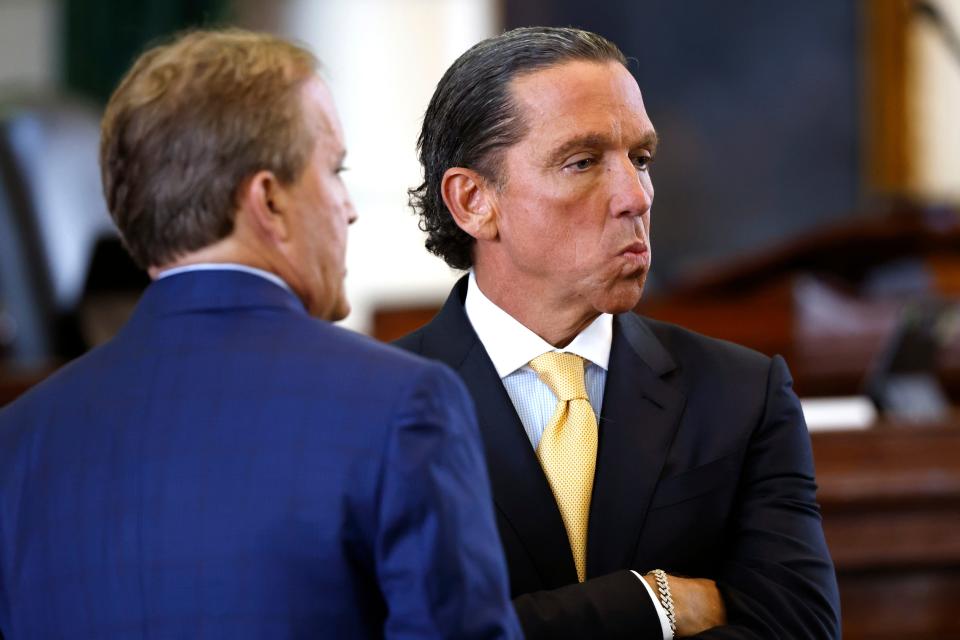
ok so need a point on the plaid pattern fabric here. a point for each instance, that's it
(230, 467)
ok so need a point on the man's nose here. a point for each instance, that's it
(632, 189)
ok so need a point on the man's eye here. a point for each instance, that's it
(642, 163)
(341, 169)
(582, 164)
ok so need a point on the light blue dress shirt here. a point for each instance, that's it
(511, 346)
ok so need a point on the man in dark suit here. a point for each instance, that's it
(624, 453)
(229, 466)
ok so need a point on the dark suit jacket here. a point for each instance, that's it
(229, 467)
(704, 468)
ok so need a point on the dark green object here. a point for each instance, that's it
(103, 37)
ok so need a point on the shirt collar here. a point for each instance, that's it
(511, 345)
(226, 266)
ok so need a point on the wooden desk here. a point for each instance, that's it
(891, 515)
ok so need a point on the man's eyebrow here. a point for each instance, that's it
(648, 140)
(586, 140)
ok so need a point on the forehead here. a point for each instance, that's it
(576, 97)
(320, 111)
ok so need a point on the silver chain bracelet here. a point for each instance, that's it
(663, 587)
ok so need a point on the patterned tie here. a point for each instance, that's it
(568, 447)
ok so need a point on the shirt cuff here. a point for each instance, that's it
(661, 612)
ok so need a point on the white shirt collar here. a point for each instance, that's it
(511, 345)
(226, 266)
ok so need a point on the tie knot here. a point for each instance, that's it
(563, 373)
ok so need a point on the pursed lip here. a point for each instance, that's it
(636, 255)
(638, 248)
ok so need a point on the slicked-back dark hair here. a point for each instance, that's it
(472, 118)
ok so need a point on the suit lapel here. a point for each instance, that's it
(520, 490)
(638, 420)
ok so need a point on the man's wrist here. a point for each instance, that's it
(666, 598)
(650, 584)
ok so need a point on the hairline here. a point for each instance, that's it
(495, 158)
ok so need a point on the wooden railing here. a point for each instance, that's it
(891, 514)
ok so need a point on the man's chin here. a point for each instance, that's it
(340, 311)
(331, 312)
(624, 297)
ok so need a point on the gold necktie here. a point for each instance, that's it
(568, 447)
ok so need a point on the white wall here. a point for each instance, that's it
(382, 59)
(934, 103)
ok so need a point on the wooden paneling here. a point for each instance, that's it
(891, 514)
(396, 322)
(901, 604)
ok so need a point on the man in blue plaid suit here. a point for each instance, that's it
(232, 464)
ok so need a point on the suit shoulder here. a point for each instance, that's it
(690, 348)
(422, 389)
(363, 345)
(412, 342)
(387, 359)
(57, 384)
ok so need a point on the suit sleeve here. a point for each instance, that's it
(438, 556)
(616, 605)
(777, 578)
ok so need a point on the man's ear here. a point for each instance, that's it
(469, 197)
(263, 205)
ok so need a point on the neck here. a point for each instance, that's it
(558, 322)
(224, 251)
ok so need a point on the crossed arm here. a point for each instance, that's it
(775, 578)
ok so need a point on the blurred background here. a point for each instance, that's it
(808, 204)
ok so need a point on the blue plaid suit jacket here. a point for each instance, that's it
(228, 466)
